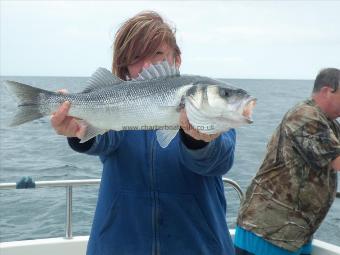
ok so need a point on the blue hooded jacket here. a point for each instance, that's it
(155, 201)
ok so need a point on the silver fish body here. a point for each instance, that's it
(152, 101)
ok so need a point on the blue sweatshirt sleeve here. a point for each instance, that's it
(101, 145)
(214, 159)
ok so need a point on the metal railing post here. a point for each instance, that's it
(235, 186)
(68, 227)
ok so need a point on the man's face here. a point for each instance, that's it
(164, 52)
(334, 102)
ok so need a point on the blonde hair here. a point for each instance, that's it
(140, 37)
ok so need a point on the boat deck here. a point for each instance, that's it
(77, 246)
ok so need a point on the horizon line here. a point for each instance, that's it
(232, 78)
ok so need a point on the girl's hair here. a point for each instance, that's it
(140, 37)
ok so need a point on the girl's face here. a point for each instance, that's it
(164, 52)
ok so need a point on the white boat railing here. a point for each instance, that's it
(77, 245)
(69, 184)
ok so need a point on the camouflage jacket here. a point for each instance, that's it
(295, 185)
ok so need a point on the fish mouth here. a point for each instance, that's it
(248, 109)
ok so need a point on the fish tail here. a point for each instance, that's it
(28, 102)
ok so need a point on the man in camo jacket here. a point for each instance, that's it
(297, 181)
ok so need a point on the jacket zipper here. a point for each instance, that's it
(155, 206)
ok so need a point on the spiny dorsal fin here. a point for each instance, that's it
(162, 69)
(102, 78)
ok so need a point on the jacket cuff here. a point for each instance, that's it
(75, 144)
(190, 142)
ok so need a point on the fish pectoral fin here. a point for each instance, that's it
(91, 132)
(164, 137)
(198, 120)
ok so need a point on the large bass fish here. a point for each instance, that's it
(151, 101)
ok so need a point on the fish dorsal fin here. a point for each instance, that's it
(162, 69)
(102, 78)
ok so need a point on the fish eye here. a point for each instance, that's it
(224, 93)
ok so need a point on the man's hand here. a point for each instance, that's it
(194, 133)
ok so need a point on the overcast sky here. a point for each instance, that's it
(222, 39)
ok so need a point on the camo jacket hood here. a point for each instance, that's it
(295, 185)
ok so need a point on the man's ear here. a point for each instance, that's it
(326, 89)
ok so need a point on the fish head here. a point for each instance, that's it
(230, 103)
(220, 105)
